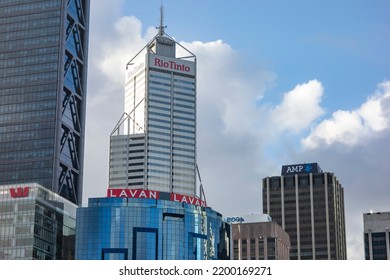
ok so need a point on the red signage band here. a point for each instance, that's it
(140, 193)
(133, 193)
(19, 192)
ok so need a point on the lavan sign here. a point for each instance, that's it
(300, 168)
(140, 193)
(171, 64)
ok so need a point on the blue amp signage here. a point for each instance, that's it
(301, 169)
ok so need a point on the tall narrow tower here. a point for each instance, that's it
(152, 211)
(153, 146)
(43, 66)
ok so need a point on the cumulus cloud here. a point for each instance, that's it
(351, 127)
(299, 108)
(235, 129)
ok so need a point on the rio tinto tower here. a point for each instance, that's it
(153, 146)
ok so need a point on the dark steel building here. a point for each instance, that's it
(309, 205)
(43, 75)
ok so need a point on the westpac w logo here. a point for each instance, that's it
(19, 192)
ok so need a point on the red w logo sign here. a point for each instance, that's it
(19, 192)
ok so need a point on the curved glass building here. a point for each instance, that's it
(150, 229)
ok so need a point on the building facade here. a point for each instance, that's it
(153, 210)
(377, 236)
(150, 225)
(257, 237)
(43, 75)
(153, 146)
(309, 205)
(36, 224)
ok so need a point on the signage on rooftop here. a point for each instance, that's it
(140, 193)
(172, 64)
(301, 169)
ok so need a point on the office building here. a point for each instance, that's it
(257, 237)
(154, 209)
(309, 205)
(43, 75)
(36, 224)
(153, 145)
(150, 225)
(377, 235)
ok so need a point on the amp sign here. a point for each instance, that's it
(300, 169)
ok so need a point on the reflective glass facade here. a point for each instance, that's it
(43, 56)
(160, 112)
(36, 224)
(150, 229)
(310, 208)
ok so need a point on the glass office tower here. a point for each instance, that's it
(153, 145)
(309, 205)
(36, 224)
(43, 75)
(139, 228)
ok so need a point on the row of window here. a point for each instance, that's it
(27, 6)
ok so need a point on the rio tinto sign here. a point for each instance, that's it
(172, 64)
(140, 193)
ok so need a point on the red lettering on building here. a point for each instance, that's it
(19, 192)
(171, 65)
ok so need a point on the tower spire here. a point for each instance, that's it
(161, 27)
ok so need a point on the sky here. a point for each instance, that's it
(279, 82)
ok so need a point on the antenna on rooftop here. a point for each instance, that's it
(161, 27)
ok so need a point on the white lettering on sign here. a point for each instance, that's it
(140, 193)
(296, 168)
(170, 64)
(137, 193)
(188, 199)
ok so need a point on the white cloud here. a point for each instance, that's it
(233, 129)
(299, 108)
(351, 127)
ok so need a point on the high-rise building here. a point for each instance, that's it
(153, 210)
(257, 237)
(377, 235)
(43, 75)
(36, 224)
(153, 145)
(309, 205)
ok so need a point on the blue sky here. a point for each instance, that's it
(279, 82)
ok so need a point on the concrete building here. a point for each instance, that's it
(376, 235)
(257, 237)
(43, 66)
(309, 205)
(153, 146)
(154, 209)
(36, 224)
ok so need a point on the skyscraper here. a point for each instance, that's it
(153, 145)
(152, 210)
(43, 75)
(377, 236)
(309, 205)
